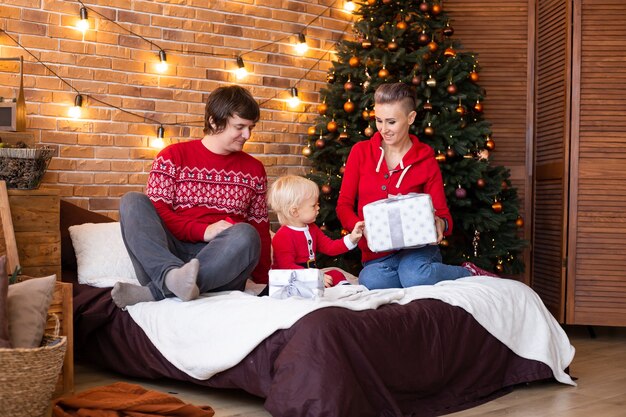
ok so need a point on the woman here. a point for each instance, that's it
(395, 162)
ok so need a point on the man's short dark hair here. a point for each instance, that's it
(226, 102)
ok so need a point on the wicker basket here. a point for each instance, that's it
(28, 377)
(23, 168)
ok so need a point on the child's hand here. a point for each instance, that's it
(328, 281)
(357, 232)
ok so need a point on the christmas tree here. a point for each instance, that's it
(412, 42)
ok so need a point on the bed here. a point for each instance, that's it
(422, 358)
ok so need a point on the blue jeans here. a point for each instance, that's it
(409, 267)
(225, 262)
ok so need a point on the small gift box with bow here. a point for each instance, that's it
(401, 221)
(305, 283)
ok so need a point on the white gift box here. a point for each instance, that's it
(305, 283)
(401, 221)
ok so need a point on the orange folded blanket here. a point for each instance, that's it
(124, 399)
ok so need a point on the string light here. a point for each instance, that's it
(76, 110)
(294, 100)
(159, 143)
(349, 6)
(241, 71)
(301, 46)
(83, 24)
(162, 65)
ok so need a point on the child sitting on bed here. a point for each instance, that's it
(294, 199)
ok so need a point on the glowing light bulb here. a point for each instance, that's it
(241, 71)
(294, 100)
(83, 23)
(162, 65)
(158, 142)
(301, 46)
(76, 110)
(349, 6)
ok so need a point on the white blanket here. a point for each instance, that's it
(215, 332)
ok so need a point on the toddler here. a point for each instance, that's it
(295, 201)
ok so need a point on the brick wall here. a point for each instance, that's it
(107, 152)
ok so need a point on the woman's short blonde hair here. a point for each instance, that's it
(290, 191)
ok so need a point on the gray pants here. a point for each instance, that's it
(225, 262)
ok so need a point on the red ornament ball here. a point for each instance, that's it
(326, 189)
(424, 7)
(497, 207)
(448, 30)
(342, 169)
(348, 86)
(451, 89)
(416, 80)
(450, 152)
(320, 143)
(423, 38)
(490, 144)
(428, 106)
(480, 183)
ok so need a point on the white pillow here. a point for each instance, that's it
(101, 255)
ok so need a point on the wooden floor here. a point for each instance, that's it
(599, 365)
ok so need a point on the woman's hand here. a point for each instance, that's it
(215, 229)
(440, 225)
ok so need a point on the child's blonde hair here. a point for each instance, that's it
(290, 191)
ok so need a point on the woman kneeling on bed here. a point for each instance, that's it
(202, 225)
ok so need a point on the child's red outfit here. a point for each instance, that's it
(295, 248)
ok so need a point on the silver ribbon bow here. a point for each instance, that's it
(295, 288)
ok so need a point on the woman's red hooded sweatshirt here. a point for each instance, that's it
(367, 179)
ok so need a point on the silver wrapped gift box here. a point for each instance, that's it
(399, 222)
(305, 283)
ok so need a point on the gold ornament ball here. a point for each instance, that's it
(372, 114)
(460, 110)
(440, 157)
(429, 131)
(307, 151)
(436, 9)
(330, 78)
(423, 38)
(444, 243)
(387, 1)
(331, 126)
(401, 25)
(383, 73)
(426, 56)
(432, 46)
(371, 2)
(451, 89)
(519, 222)
(320, 143)
(344, 232)
(366, 44)
(365, 115)
(448, 30)
(499, 268)
(348, 106)
(450, 153)
(478, 107)
(497, 207)
(321, 108)
(473, 76)
(311, 131)
(354, 61)
(431, 82)
(369, 131)
(428, 106)
(490, 144)
(392, 46)
(343, 136)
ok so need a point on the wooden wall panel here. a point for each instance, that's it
(597, 277)
(551, 164)
(502, 34)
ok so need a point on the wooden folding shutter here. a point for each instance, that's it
(597, 248)
(551, 153)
